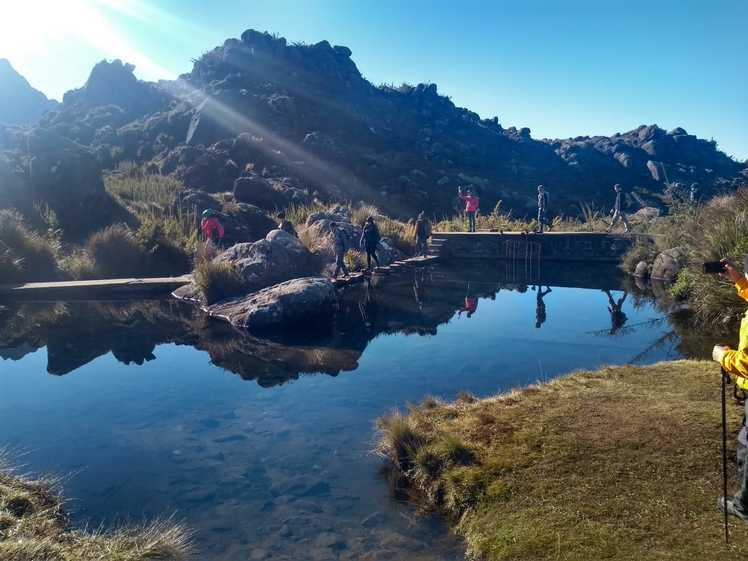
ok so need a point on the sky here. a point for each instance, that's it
(561, 67)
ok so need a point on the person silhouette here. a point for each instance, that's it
(540, 315)
(617, 316)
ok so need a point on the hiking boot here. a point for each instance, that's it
(733, 508)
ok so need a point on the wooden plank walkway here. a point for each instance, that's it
(93, 289)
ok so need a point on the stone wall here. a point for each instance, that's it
(552, 246)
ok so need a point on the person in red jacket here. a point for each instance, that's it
(211, 227)
(472, 202)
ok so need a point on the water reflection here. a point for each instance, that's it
(275, 470)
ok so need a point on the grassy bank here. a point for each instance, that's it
(622, 463)
(33, 526)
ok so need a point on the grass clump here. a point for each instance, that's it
(25, 255)
(216, 280)
(589, 466)
(33, 526)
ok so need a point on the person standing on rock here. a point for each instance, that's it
(542, 208)
(369, 241)
(211, 227)
(617, 211)
(285, 225)
(423, 231)
(338, 244)
(472, 202)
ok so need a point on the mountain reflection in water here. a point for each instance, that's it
(284, 471)
(414, 302)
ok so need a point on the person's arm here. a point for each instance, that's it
(733, 362)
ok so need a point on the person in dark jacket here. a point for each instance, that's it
(542, 208)
(338, 244)
(369, 241)
(285, 225)
(423, 231)
(617, 211)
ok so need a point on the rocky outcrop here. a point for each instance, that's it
(282, 123)
(284, 305)
(276, 258)
(20, 104)
(668, 264)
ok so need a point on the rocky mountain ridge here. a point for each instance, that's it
(287, 123)
(20, 104)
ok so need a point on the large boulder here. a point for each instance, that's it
(276, 258)
(668, 264)
(245, 223)
(288, 304)
(255, 189)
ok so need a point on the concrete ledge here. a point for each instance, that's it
(551, 246)
(93, 289)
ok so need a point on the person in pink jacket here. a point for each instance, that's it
(472, 202)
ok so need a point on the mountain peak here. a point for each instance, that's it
(20, 103)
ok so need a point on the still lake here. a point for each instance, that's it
(263, 445)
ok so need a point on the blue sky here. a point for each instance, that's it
(562, 68)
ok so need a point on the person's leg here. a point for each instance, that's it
(368, 259)
(540, 220)
(337, 266)
(471, 221)
(740, 499)
(625, 222)
(374, 255)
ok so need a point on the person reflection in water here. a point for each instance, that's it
(617, 317)
(368, 305)
(420, 273)
(540, 307)
(470, 305)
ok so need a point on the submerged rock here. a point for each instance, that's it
(308, 300)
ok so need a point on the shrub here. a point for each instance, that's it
(115, 252)
(24, 254)
(217, 280)
(398, 440)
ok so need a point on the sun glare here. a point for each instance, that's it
(32, 27)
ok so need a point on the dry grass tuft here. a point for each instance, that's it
(217, 280)
(33, 527)
(622, 463)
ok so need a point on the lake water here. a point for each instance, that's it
(263, 446)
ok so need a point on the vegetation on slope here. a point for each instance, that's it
(704, 232)
(25, 255)
(622, 463)
(33, 526)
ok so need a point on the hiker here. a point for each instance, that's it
(542, 208)
(369, 241)
(285, 225)
(617, 211)
(338, 244)
(617, 316)
(211, 227)
(423, 231)
(692, 193)
(472, 202)
(540, 314)
(735, 363)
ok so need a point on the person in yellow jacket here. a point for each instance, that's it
(735, 363)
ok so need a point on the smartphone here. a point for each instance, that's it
(714, 267)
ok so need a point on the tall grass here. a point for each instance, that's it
(25, 254)
(135, 186)
(217, 280)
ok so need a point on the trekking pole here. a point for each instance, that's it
(725, 379)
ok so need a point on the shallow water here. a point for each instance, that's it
(162, 413)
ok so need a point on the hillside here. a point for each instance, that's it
(20, 104)
(302, 122)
